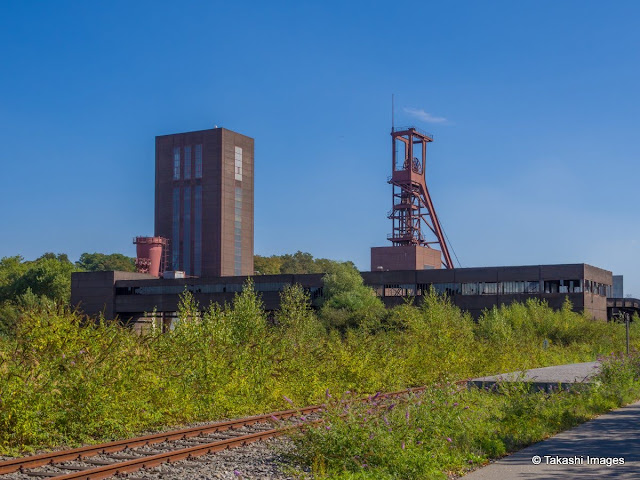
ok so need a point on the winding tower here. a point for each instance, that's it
(417, 238)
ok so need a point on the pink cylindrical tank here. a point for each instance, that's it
(149, 252)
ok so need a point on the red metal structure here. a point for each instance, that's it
(412, 206)
(151, 255)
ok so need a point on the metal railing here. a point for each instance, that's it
(419, 130)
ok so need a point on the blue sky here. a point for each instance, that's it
(533, 106)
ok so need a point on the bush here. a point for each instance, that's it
(347, 302)
(445, 431)
(64, 380)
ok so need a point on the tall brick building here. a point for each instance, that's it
(204, 201)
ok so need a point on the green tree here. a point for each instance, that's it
(296, 316)
(11, 269)
(48, 276)
(267, 265)
(347, 302)
(297, 263)
(25, 284)
(93, 262)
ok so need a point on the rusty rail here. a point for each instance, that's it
(148, 461)
(15, 464)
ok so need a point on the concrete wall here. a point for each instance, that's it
(93, 293)
(410, 257)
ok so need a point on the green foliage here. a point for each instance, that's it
(93, 262)
(65, 381)
(48, 277)
(525, 327)
(267, 265)
(445, 431)
(11, 269)
(299, 262)
(347, 302)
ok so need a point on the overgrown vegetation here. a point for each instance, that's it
(46, 279)
(64, 380)
(447, 430)
(49, 276)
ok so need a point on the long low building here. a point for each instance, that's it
(131, 297)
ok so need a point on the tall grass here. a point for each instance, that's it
(446, 431)
(64, 380)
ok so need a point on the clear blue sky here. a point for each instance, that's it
(534, 107)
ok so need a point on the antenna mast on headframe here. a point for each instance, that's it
(392, 114)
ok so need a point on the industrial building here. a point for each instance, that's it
(204, 202)
(132, 296)
(203, 243)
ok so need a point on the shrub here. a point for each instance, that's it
(65, 380)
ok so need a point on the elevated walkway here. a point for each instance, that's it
(547, 379)
(617, 306)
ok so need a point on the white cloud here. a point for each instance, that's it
(420, 114)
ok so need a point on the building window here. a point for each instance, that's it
(532, 287)
(596, 288)
(176, 163)
(552, 286)
(186, 236)
(519, 287)
(198, 161)
(601, 289)
(512, 288)
(563, 286)
(175, 240)
(238, 163)
(470, 288)
(238, 232)
(574, 286)
(448, 289)
(197, 231)
(187, 163)
(488, 288)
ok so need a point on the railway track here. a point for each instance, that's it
(124, 456)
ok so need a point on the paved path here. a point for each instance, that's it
(545, 378)
(613, 435)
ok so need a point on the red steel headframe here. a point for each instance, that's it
(412, 205)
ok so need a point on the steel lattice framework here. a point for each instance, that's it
(412, 206)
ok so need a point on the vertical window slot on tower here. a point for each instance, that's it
(238, 164)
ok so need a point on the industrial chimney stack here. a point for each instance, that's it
(151, 253)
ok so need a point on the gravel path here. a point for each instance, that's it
(260, 460)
